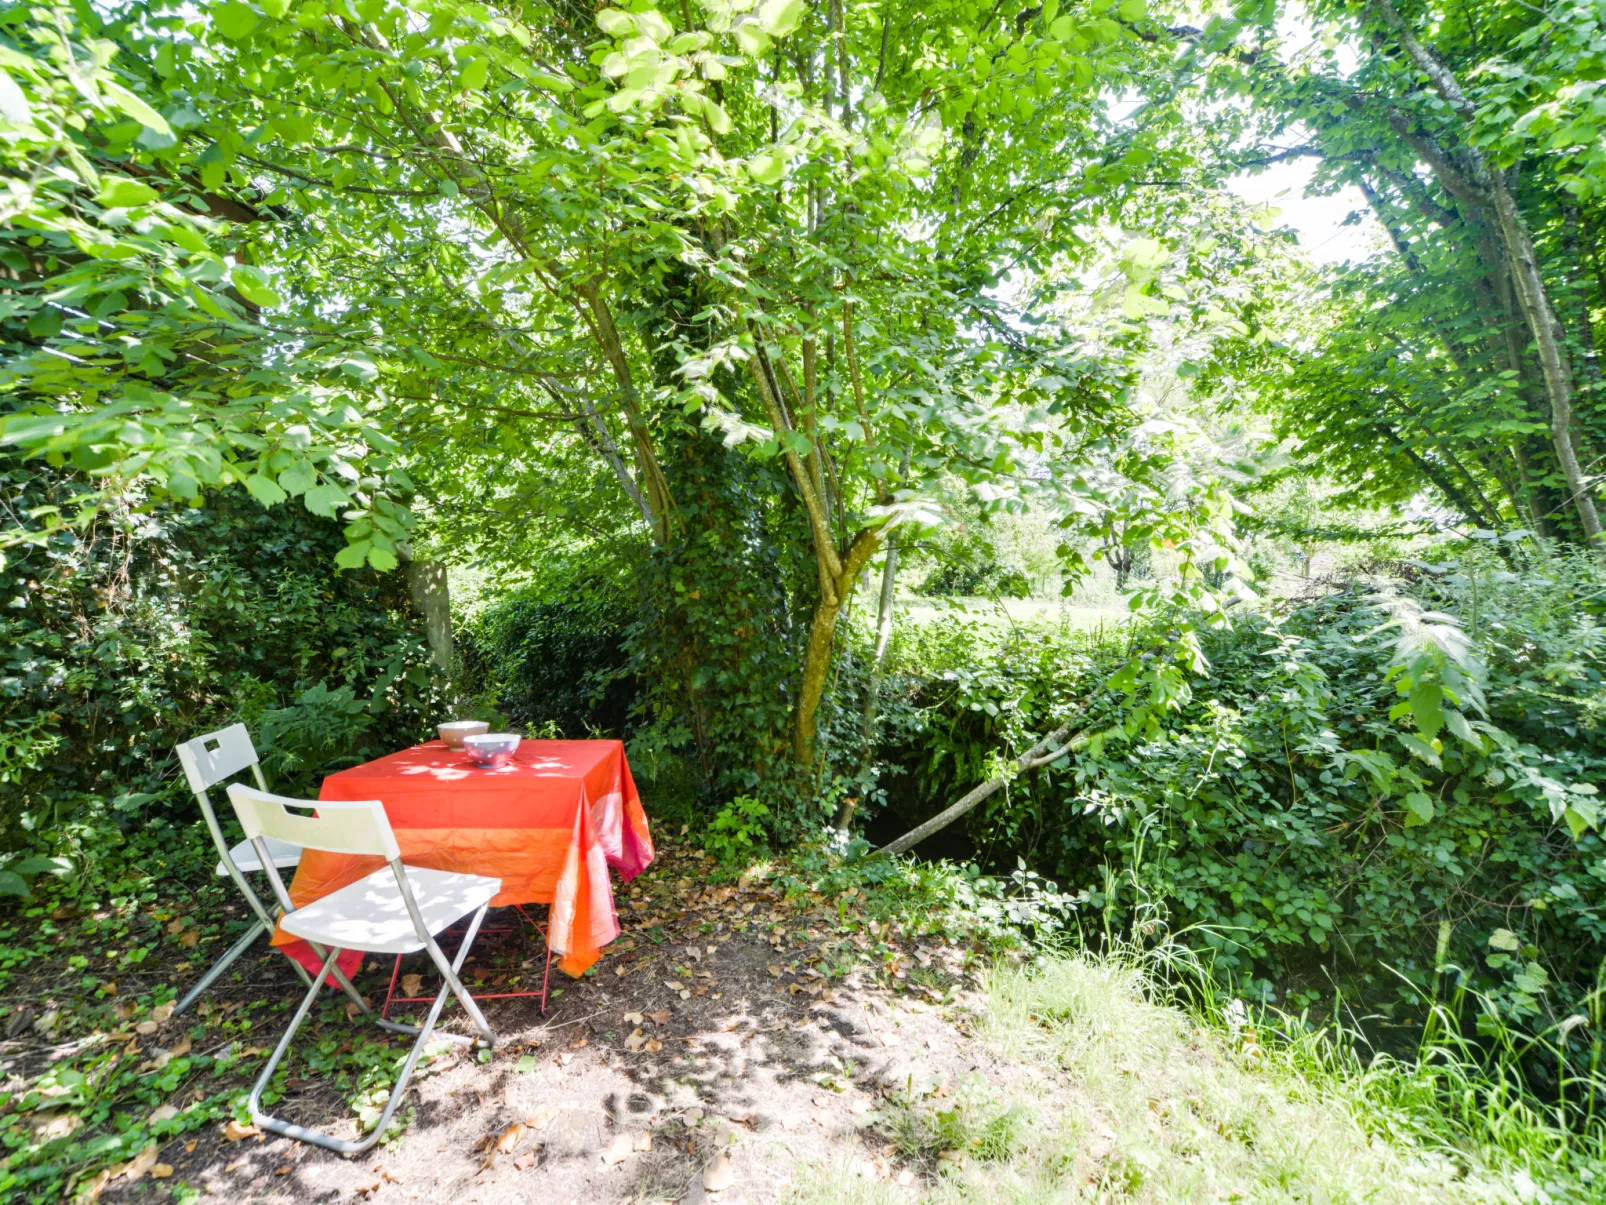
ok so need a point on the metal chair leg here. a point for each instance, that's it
(230, 957)
(452, 986)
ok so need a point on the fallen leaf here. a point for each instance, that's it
(176, 927)
(565, 1059)
(93, 1191)
(719, 1175)
(653, 1046)
(659, 1017)
(234, 1131)
(189, 1147)
(635, 1041)
(510, 1139)
(525, 1161)
(412, 984)
(541, 1116)
(162, 1113)
(183, 1047)
(619, 1149)
(236, 1165)
(162, 1012)
(146, 1027)
(161, 1171)
(632, 1018)
(620, 969)
(189, 938)
(685, 995)
(644, 1141)
(126, 1009)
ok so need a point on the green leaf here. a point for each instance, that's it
(1457, 724)
(751, 37)
(616, 24)
(275, 8)
(1427, 709)
(12, 883)
(264, 489)
(298, 478)
(253, 285)
(1505, 939)
(382, 559)
(1419, 808)
(526, 1063)
(234, 21)
(654, 25)
(780, 17)
(353, 556)
(14, 109)
(1133, 10)
(119, 192)
(1420, 747)
(41, 864)
(767, 167)
(326, 500)
(473, 77)
(121, 98)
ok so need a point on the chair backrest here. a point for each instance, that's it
(209, 759)
(339, 827)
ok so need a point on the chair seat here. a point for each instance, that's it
(245, 856)
(371, 915)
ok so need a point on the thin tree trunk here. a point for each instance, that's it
(1488, 186)
(432, 599)
(1050, 748)
(822, 632)
(872, 689)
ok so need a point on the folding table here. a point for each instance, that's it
(549, 824)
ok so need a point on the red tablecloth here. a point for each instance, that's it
(549, 825)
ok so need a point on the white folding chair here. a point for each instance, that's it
(207, 761)
(397, 910)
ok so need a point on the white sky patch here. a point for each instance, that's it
(1319, 221)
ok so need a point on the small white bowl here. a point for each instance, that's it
(491, 749)
(454, 732)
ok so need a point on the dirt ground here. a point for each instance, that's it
(729, 1038)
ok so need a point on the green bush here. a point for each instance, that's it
(550, 655)
(1353, 772)
(121, 641)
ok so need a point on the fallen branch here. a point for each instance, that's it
(1055, 742)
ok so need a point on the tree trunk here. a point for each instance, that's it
(1486, 185)
(872, 689)
(1046, 750)
(1550, 339)
(427, 587)
(822, 631)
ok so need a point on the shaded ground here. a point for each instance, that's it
(727, 1021)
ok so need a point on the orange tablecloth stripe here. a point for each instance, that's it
(549, 825)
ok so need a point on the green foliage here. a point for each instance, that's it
(124, 639)
(1349, 772)
(738, 831)
(555, 652)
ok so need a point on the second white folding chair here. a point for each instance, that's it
(397, 910)
(208, 760)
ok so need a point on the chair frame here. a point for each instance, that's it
(204, 769)
(297, 830)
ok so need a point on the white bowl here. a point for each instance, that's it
(454, 732)
(491, 749)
